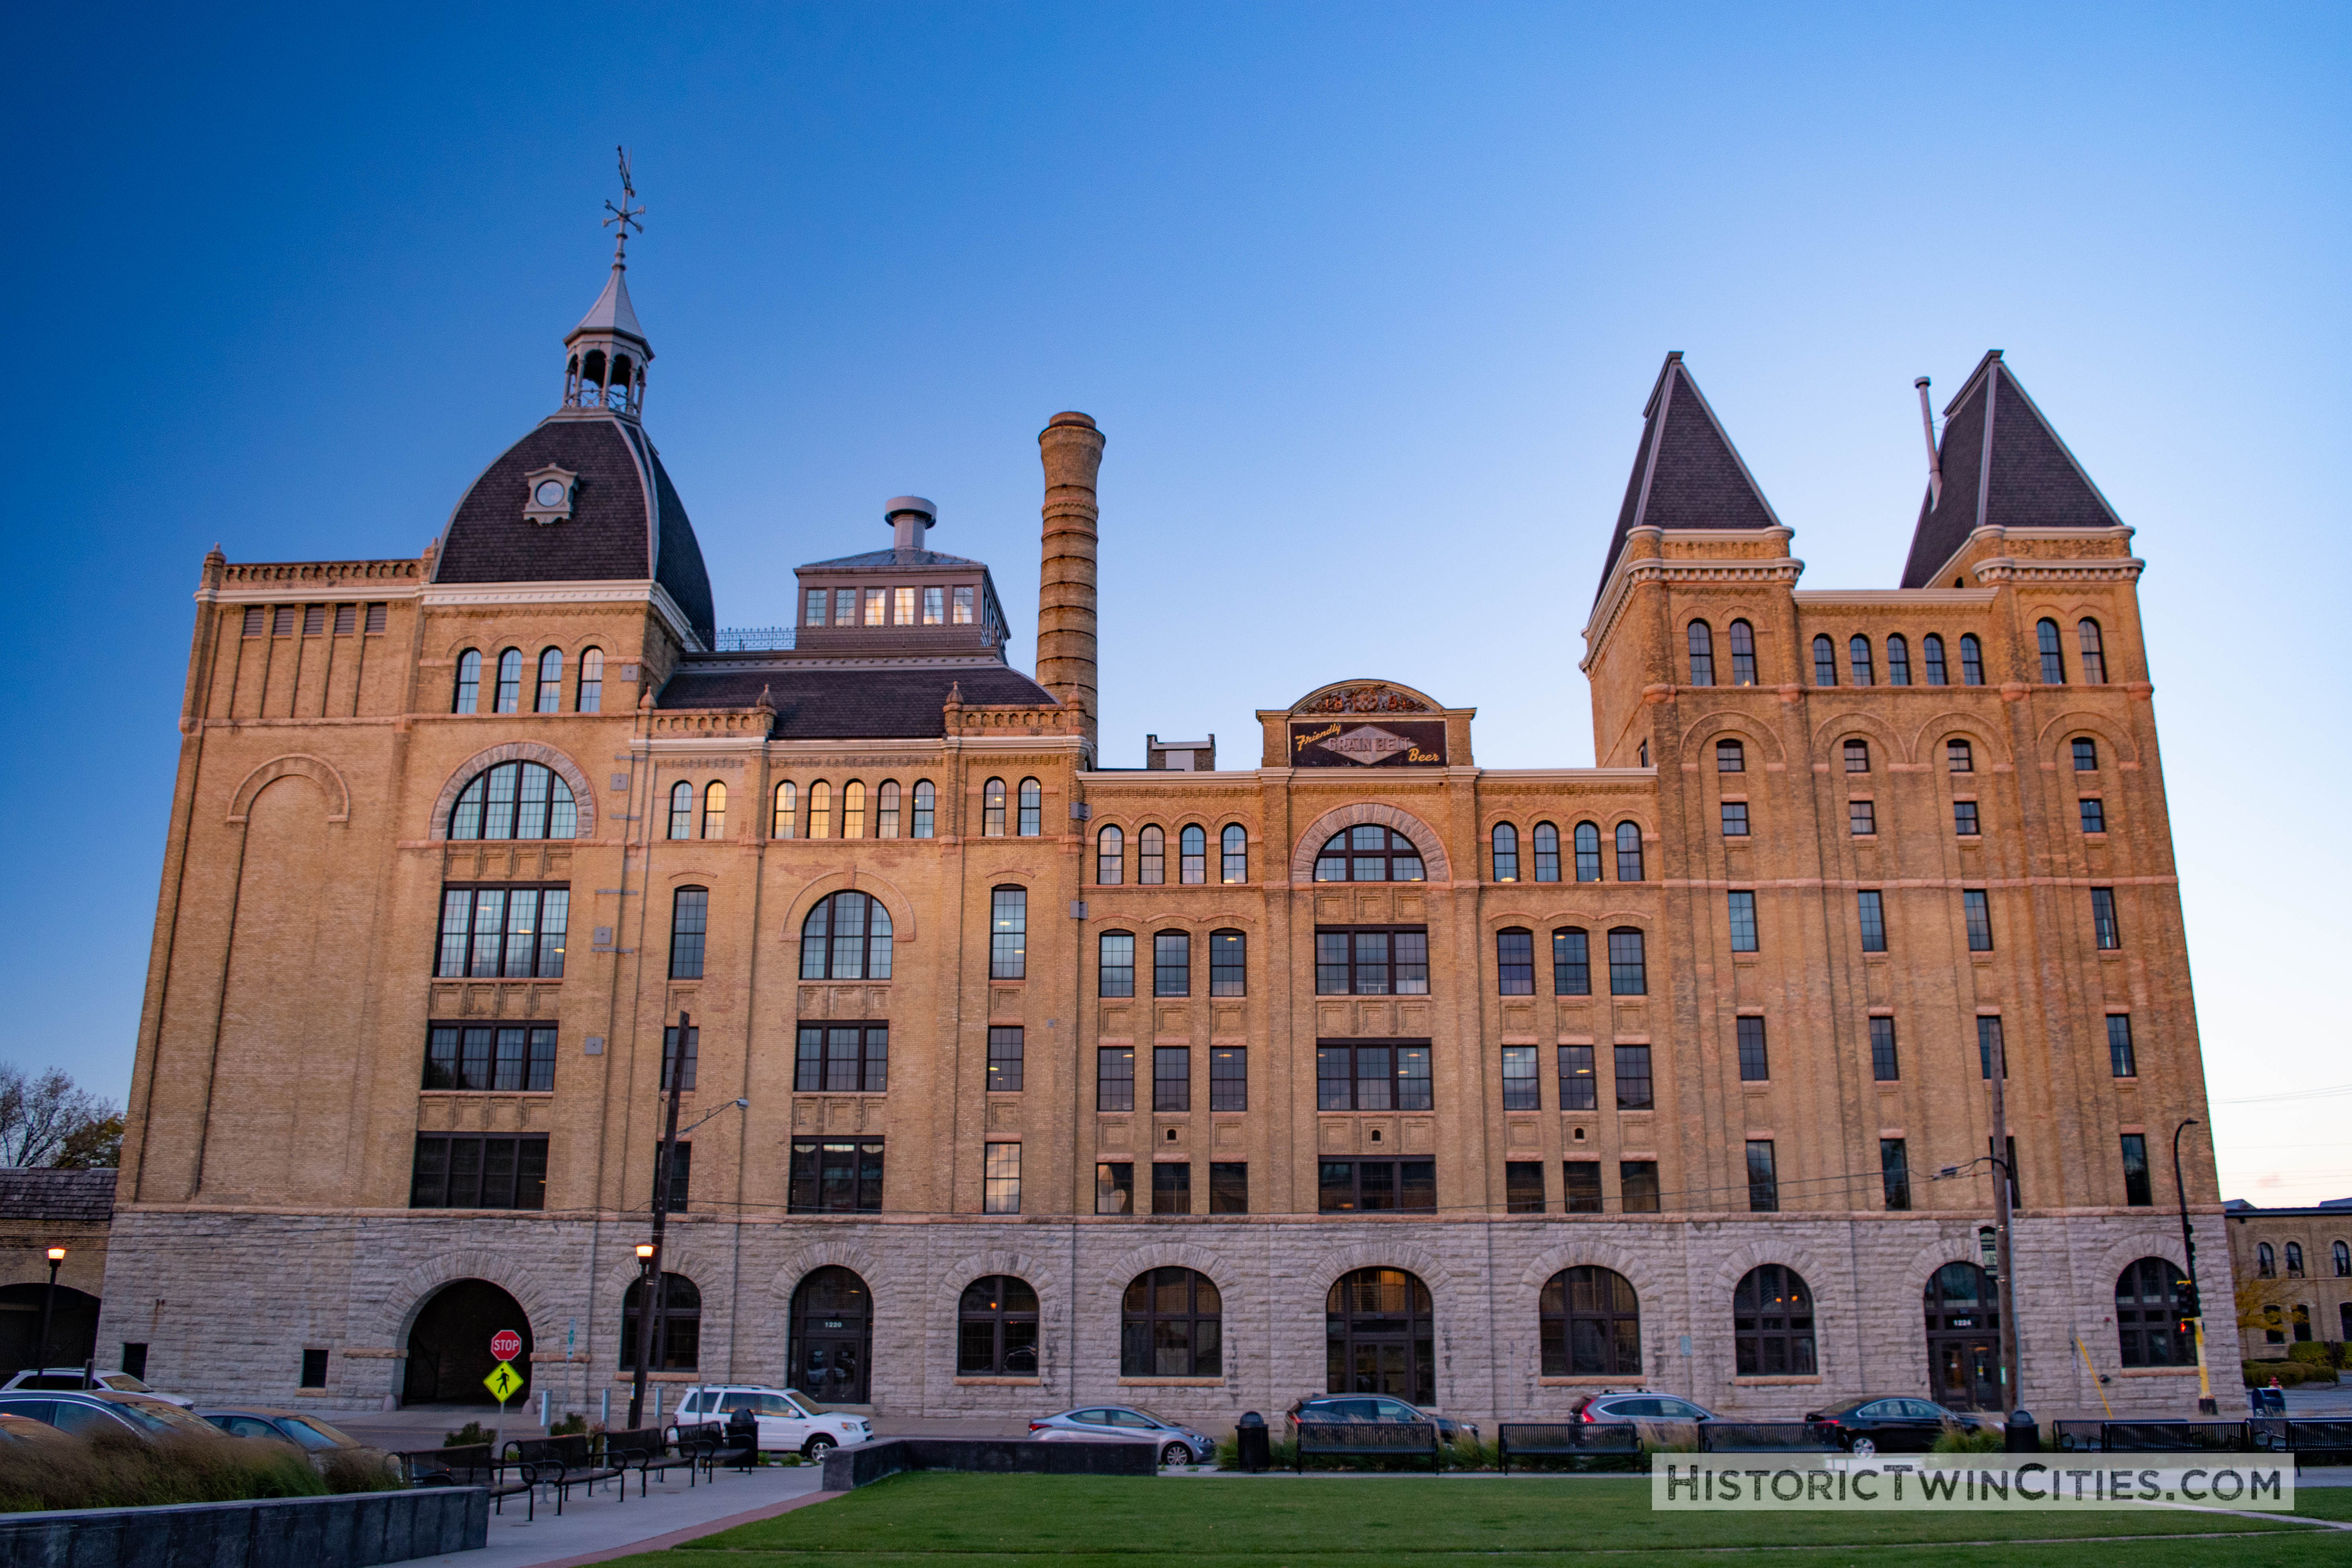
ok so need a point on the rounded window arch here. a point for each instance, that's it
(1702, 654)
(832, 1329)
(819, 815)
(2343, 1254)
(1629, 852)
(886, 809)
(1379, 1336)
(1931, 658)
(2095, 651)
(681, 810)
(1515, 962)
(1857, 756)
(926, 808)
(2053, 657)
(466, 696)
(1971, 660)
(2266, 1260)
(1151, 856)
(991, 808)
(1589, 1320)
(1588, 852)
(1773, 1324)
(510, 688)
(847, 937)
(1032, 809)
(1730, 757)
(590, 689)
(852, 809)
(1110, 856)
(1192, 855)
(2148, 1315)
(714, 810)
(1232, 853)
(996, 1327)
(515, 800)
(1824, 661)
(549, 697)
(1898, 660)
(1172, 1324)
(1743, 654)
(1506, 852)
(2295, 1260)
(1857, 655)
(787, 818)
(1369, 852)
(677, 1324)
(1547, 852)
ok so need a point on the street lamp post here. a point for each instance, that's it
(49, 1308)
(2205, 1402)
(647, 1253)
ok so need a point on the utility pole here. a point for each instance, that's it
(2196, 1304)
(2010, 1371)
(672, 1070)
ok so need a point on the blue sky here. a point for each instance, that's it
(1367, 298)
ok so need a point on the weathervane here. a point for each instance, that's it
(624, 217)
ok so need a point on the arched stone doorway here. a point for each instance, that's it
(449, 1347)
(73, 1327)
(1963, 1338)
(832, 1338)
(1378, 1336)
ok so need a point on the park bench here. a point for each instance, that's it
(2173, 1437)
(1601, 1443)
(469, 1464)
(714, 1444)
(644, 1450)
(1766, 1437)
(561, 1463)
(1366, 1439)
(2311, 1442)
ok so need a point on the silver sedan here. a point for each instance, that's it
(1179, 1444)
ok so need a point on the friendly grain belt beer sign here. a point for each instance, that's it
(504, 1381)
(1342, 743)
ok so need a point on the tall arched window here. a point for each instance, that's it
(467, 698)
(1115, 973)
(1629, 974)
(1368, 853)
(1547, 848)
(1931, 654)
(820, 822)
(1172, 1324)
(1228, 964)
(1514, 961)
(1629, 852)
(1857, 653)
(1590, 1321)
(1506, 852)
(592, 681)
(515, 800)
(2343, 1253)
(1150, 857)
(2265, 1261)
(2053, 661)
(1743, 654)
(2094, 652)
(1898, 660)
(991, 808)
(886, 809)
(681, 810)
(714, 810)
(1192, 855)
(1588, 852)
(1730, 757)
(926, 808)
(677, 1318)
(548, 698)
(853, 810)
(1773, 1324)
(1110, 856)
(847, 937)
(1378, 1336)
(1032, 809)
(510, 688)
(1857, 756)
(787, 819)
(1971, 660)
(1232, 854)
(2295, 1260)
(1824, 661)
(1702, 655)
(689, 925)
(996, 1329)
(2147, 1316)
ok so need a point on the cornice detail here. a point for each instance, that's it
(264, 581)
(2008, 569)
(1628, 574)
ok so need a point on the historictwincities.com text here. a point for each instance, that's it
(1965, 1481)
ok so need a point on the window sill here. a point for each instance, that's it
(518, 1093)
(1793, 1381)
(1636, 1383)
(1171, 1383)
(962, 1382)
(2156, 1372)
(310, 1393)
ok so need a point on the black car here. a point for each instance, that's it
(86, 1415)
(1378, 1407)
(1904, 1426)
(315, 1437)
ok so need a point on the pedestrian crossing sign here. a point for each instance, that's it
(504, 1382)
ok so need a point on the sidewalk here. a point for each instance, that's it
(595, 1527)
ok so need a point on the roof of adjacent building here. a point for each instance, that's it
(872, 559)
(39, 1194)
(1687, 473)
(827, 702)
(2003, 466)
(626, 520)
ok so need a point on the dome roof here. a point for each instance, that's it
(627, 522)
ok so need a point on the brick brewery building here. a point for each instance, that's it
(1345, 1064)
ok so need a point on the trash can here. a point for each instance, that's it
(744, 1433)
(2021, 1435)
(1250, 1437)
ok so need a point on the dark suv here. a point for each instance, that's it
(1377, 1408)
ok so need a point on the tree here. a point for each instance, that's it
(46, 1120)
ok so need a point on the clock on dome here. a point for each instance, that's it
(548, 494)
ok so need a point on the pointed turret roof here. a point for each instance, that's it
(2003, 466)
(612, 313)
(1687, 473)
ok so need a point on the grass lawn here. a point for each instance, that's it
(944, 1520)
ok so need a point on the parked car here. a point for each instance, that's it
(1606, 1406)
(1179, 1444)
(25, 1429)
(86, 1415)
(1867, 1425)
(1377, 1408)
(315, 1437)
(788, 1422)
(71, 1377)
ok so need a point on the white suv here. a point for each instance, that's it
(787, 1421)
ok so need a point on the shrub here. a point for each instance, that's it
(573, 1426)
(361, 1471)
(2258, 1373)
(119, 1471)
(2320, 1353)
(466, 1436)
(1956, 1439)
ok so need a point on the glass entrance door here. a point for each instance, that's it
(832, 1338)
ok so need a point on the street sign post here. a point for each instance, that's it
(504, 1382)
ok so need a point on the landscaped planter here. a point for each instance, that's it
(355, 1529)
(865, 1463)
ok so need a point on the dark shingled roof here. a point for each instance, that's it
(30, 1193)
(823, 703)
(2033, 480)
(1687, 473)
(627, 522)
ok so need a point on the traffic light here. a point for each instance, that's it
(2185, 1299)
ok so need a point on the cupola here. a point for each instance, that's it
(605, 355)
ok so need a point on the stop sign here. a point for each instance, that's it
(505, 1344)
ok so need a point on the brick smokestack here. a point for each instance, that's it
(1071, 449)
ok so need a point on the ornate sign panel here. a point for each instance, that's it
(1344, 742)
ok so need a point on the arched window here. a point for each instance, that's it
(2295, 1260)
(592, 681)
(2094, 652)
(548, 698)
(1192, 858)
(1172, 1324)
(467, 698)
(1369, 854)
(2053, 662)
(1702, 655)
(886, 809)
(1514, 961)
(1857, 756)
(2086, 754)
(1588, 852)
(1628, 970)
(1150, 857)
(1743, 654)
(1959, 757)
(787, 819)
(1824, 661)
(714, 810)
(510, 691)
(677, 1324)
(853, 810)
(996, 1329)
(1898, 661)
(1546, 847)
(1032, 809)
(1931, 654)
(515, 800)
(1971, 660)
(1228, 964)
(1773, 1324)
(1857, 653)
(1379, 1337)
(819, 824)
(847, 937)
(991, 808)
(2147, 1318)
(1629, 852)
(1591, 1324)
(1234, 854)
(1506, 852)
(2265, 1261)
(1730, 757)
(681, 810)
(2342, 1261)
(1008, 934)
(1171, 963)
(1110, 856)
(926, 808)
(689, 925)
(1116, 972)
